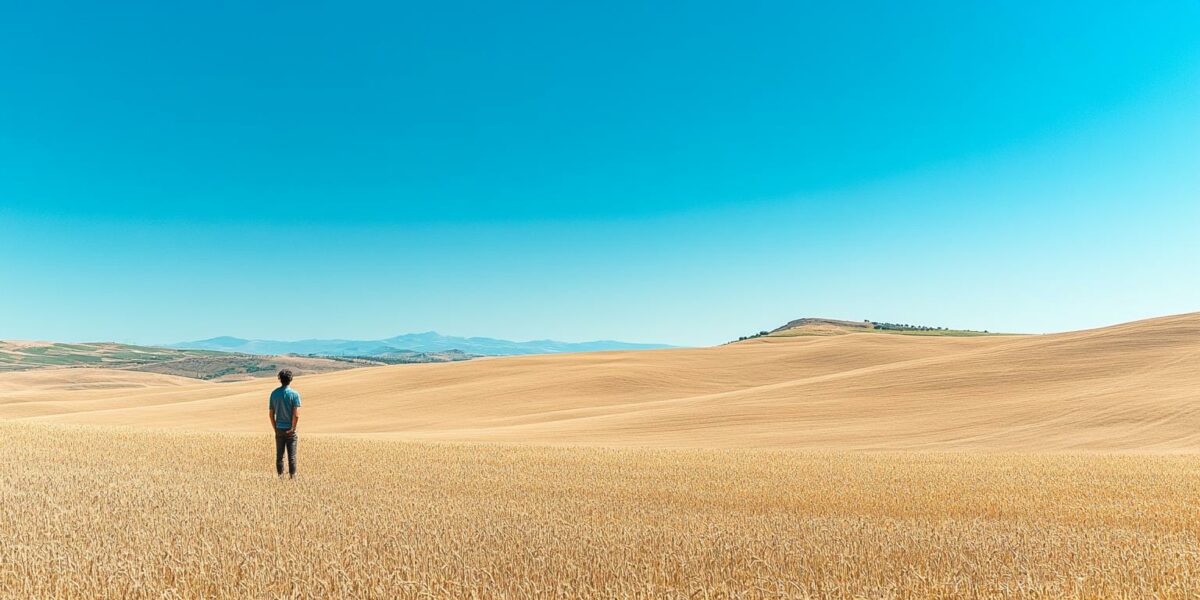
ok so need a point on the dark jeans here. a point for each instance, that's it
(285, 441)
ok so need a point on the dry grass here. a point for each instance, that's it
(125, 513)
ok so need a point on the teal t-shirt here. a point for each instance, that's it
(283, 401)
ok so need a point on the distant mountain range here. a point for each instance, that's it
(415, 342)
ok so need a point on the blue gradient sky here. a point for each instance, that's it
(682, 173)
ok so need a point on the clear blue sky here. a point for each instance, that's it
(647, 171)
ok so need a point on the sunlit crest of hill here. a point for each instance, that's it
(822, 326)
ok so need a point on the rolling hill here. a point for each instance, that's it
(1131, 387)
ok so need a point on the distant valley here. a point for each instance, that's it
(232, 359)
(428, 342)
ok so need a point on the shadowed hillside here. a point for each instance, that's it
(1129, 387)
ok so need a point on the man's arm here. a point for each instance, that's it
(272, 411)
(295, 419)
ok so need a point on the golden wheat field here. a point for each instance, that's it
(827, 466)
(126, 513)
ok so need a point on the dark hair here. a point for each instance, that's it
(285, 376)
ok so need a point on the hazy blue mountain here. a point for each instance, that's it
(430, 341)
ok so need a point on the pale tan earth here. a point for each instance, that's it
(1131, 387)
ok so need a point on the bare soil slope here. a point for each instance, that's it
(1131, 387)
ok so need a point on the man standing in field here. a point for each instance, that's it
(285, 415)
